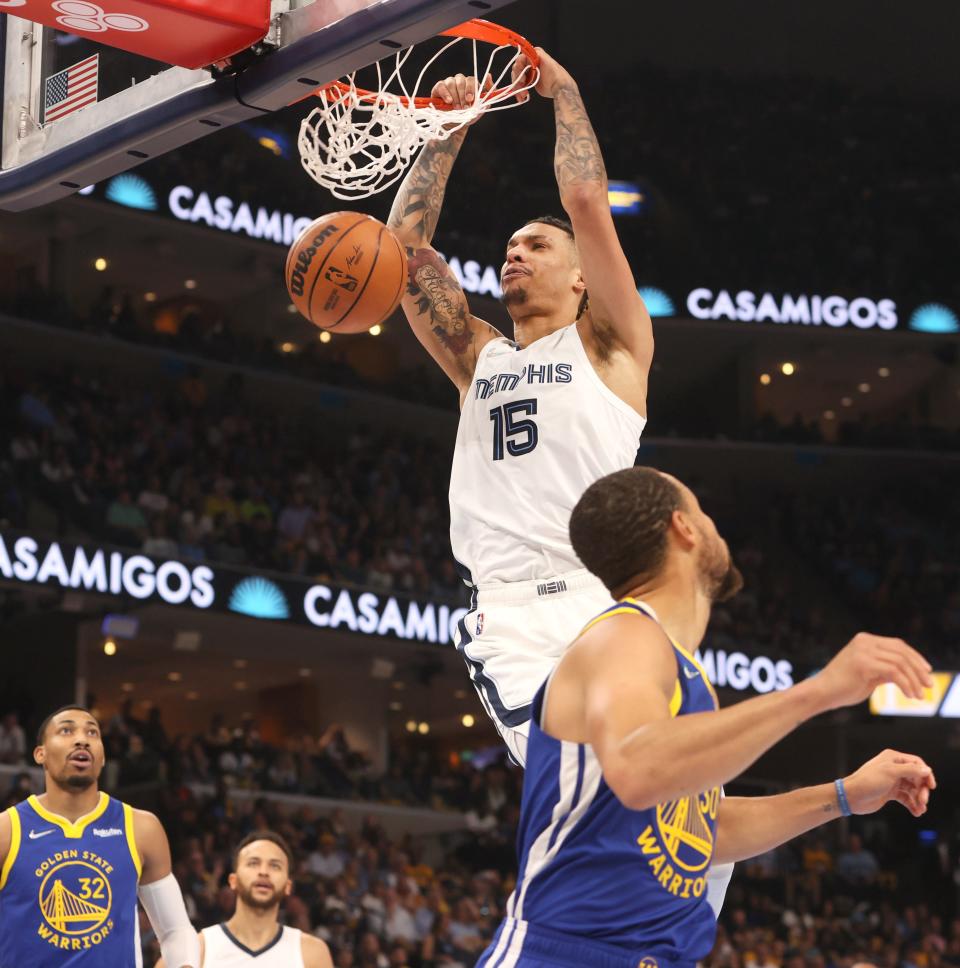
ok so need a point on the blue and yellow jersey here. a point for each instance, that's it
(68, 891)
(631, 880)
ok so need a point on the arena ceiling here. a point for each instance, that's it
(869, 43)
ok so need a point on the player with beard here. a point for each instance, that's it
(261, 880)
(622, 813)
(74, 860)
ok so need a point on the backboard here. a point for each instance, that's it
(76, 111)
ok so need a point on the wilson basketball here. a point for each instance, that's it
(346, 272)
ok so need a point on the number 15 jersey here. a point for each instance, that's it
(537, 428)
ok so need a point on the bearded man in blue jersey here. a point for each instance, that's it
(622, 810)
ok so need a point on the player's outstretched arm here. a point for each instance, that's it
(161, 897)
(748, 826)
(649, 757)
(434, 302)
(616, 311)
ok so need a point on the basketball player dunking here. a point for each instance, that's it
(622, 814)
(261, 880)
(73, 861)
(542, 416)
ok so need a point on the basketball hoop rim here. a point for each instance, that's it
(483, 30)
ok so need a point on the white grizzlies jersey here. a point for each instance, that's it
(222, 950)
(538, 427)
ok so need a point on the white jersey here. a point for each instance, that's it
(538, 427)
(222, 950)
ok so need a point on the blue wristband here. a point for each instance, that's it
(842, 799)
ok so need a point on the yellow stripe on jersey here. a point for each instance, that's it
(131, 838)
(687, 655)
(74, 830)
(677, 698)
(15, 835)
(614, 610)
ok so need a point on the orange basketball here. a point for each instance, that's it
(346, 272)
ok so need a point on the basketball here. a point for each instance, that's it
(346, 272)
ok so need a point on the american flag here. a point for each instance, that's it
(72, 89)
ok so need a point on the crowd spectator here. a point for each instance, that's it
(208, 477)
(856, 865)
(13, 740)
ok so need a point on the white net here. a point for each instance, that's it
(356, 143)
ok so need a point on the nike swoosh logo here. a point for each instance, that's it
(690, 673)
(43, 833)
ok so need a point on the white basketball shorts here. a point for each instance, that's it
(513, 636)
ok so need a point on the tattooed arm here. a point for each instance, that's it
(413, 217)
(616, 314)
(434, 302)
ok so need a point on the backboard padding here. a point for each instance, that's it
(318, 43)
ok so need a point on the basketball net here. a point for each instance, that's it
(358, 142)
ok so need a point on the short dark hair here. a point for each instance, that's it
(558, 223)
(271, 837)
(619, 526)
(564, 226)
(42, 731)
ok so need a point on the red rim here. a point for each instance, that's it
(483, 30)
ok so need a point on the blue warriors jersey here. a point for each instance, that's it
(68, 891)
(630, 885)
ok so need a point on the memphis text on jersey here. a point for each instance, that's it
(678, 846)
(74, 899)
(530, 374)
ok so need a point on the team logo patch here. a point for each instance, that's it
(678, 846)
(647, 963)
(479, 624)
(75, 900)
(685, 830)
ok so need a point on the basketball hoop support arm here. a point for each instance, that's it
(179, 106)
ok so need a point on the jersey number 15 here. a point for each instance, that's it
(518, 435)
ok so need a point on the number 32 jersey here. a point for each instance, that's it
(68, 891)
(537, 428)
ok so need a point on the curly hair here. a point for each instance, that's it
(619, 526)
